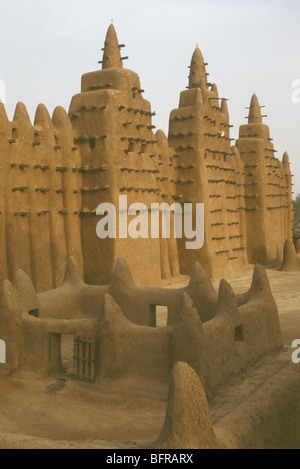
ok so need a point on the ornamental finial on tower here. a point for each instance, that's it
(255, 116)
(197, 70)
(286, 160)
(111, 52)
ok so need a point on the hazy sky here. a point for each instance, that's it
(46, 45)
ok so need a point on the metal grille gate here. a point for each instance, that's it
(84, 359)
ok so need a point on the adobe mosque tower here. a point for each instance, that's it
(209, 171)
(120, 156)
(246, 190)
(268, 190)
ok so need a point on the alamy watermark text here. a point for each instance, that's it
(185, 221)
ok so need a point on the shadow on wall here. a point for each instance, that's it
(260, 255)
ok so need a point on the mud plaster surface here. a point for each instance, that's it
(64, 413)
(285, 288)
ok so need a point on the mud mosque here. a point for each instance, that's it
(56, 172)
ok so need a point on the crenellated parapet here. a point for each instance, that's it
(37, 198)
(217, 334)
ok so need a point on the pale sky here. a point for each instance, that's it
(46, 45)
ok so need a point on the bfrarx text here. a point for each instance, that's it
(158, 458)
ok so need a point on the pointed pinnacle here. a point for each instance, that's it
(285, 159)
(224, 107)
(111, 54)
(197, 70)
(255, 116)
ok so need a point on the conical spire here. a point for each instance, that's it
(42, 117)
(111, 54)
(122, 275)
(255, 116)
(227, 302)
(198, 71)
(21, 115)
(60, 118)
(3, 115)
(285, 159)
(214, 89)
(187, 422)
(72, 274)
(224, 107)
(24, 286)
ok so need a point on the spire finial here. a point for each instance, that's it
(224, 107)
(285, 159)
(255, 116)
(197, 70)
(111, 54)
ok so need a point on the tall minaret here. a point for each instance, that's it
(199, 135)
(111, 53)
(266, 189)
(198, 75)
(289, 216)
(5, 135)
(255, 116)
(120, 156)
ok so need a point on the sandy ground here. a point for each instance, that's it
(124, 415)
(69, 411)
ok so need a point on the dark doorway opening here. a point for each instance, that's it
(73, 357)
(61, 349)
(239, 334)
(67, 354)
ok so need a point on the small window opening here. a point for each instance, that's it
(34, 313)
(239, 334)
(2, 352)
(159, 315)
